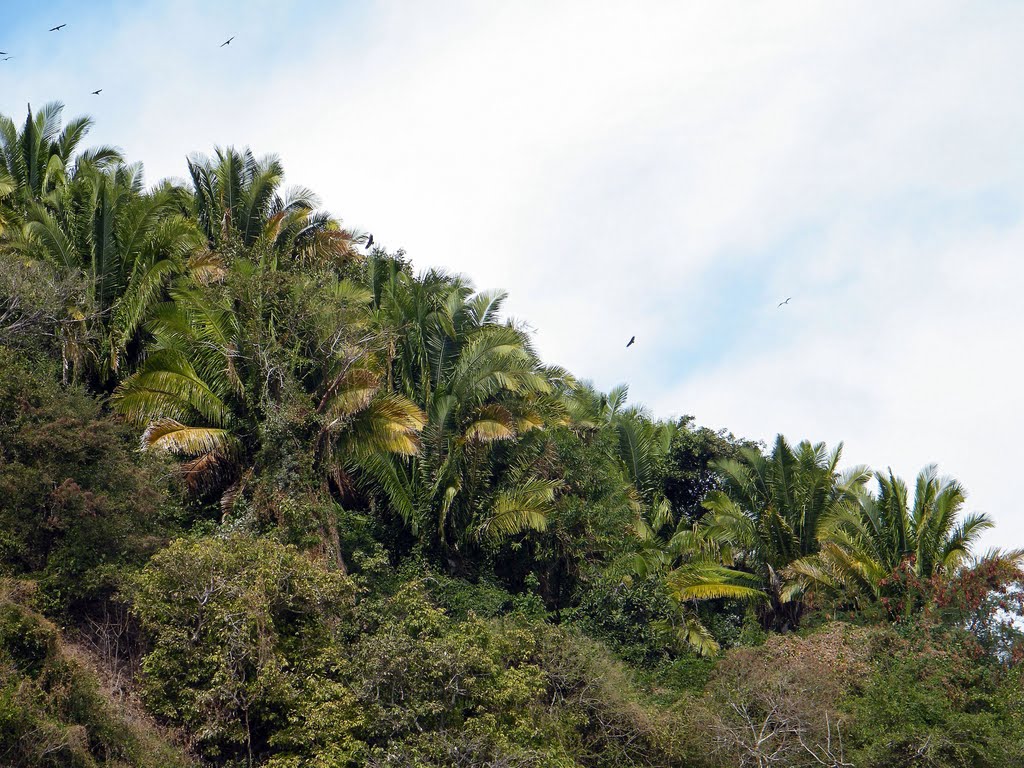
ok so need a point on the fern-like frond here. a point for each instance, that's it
(177, 438)
(513, 511)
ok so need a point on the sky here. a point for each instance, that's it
(669, 170)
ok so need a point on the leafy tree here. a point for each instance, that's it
(76, 499)
(927, 701)
(690, 474)
(242, 631)
(37, 304)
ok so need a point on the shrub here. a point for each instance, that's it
(76, 497)
(931, 701)
(243, 652)
(779, 703)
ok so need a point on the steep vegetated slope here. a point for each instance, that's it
(270, 497)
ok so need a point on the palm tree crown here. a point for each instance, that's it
(865, 543)
(769, 515)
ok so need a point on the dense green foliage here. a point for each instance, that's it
(293, 504)
(76, 498)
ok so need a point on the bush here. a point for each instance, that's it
(931, 701)
(605, 719)
(439, 692)
(243, 648)
(780, 703)
(77, 499)
(416, 670)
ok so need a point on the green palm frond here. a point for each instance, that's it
(637, 448)
(513, 511)
(688, 631)
(642, 564)
(727, 522)
(1014, 557)
(956, 546)
(397, 484)
(205, 267)
(697, 543)
(7, 184)
(347, 394)
(45, 237)
(711, 581)
(389, 423)
(168, 386)
(485, 307)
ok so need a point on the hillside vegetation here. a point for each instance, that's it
(270, 497)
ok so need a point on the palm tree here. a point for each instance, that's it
(229, 354)
(238, 202)
(655, 540)
(483, 390)
(865, 545)
(768, 516)
(38, 158)
(641, 443)
(127, 242)
(7, 187)
(639, 446)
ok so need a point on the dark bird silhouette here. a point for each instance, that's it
(58, 28)
(632, 340)
(97, 93)
(369, 242)
(3, 53)
(784, 302)
(7, 58)
(228, 41)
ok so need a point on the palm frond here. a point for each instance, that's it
(513, 511)
(490, 422)
(174, 437)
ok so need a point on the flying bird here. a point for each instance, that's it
(97, 93)
(58, 28)
(369, 241)
(3, 53)
(7, 58)
(228, 41)
(632, 340)
(784, 302)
